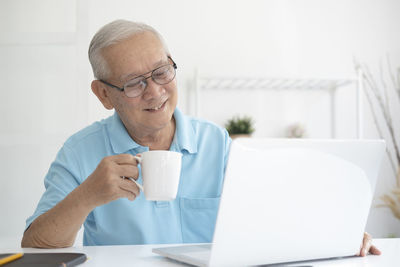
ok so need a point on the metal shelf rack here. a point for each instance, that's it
(203, 83)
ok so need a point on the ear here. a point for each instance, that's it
(99, 89)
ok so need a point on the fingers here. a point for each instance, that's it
(130, 187)
(375, 251)
(128, 171)
(368, 247)
(366, 244)
(127, 194)
(105, 182)
(123, 159)
(359, 251)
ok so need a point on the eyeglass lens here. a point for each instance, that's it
(161, 76)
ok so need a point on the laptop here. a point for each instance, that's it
(289, 200)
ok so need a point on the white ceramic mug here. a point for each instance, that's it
(161, 170)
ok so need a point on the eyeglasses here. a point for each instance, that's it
(135, 87)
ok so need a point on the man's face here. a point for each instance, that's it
(128, 59)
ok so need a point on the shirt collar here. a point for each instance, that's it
(184, 138)
(121, 141)
(184, 134)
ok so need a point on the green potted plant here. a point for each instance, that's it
(240, 126)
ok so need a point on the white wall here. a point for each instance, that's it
(45, 75)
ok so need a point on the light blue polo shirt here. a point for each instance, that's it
(190, 218)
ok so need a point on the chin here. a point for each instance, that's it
(160, 120)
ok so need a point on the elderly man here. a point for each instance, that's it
(135, 75)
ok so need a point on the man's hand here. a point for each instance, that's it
(58, 227)
(106, 184)
(367, 246)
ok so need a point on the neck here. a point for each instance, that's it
(156, 140)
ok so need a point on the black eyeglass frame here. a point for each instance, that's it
(122, 89)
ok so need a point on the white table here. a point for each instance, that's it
(141, 255)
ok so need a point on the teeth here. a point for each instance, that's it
(157, 108)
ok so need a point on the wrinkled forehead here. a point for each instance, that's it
(135, 55)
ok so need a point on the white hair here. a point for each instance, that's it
(112, 33)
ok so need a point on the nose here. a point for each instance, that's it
(153, 90)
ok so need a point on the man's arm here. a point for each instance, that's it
(59, 225)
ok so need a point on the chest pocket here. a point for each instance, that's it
(198, 217)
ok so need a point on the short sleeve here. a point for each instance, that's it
(228, 142)
(61, 179)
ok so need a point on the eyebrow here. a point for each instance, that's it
(133, 74)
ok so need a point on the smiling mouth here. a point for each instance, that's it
(160, 107)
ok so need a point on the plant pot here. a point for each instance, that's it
(234, 136)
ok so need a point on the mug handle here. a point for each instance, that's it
(139, 185)
(139, 160)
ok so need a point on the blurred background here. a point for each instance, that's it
(288, 65)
